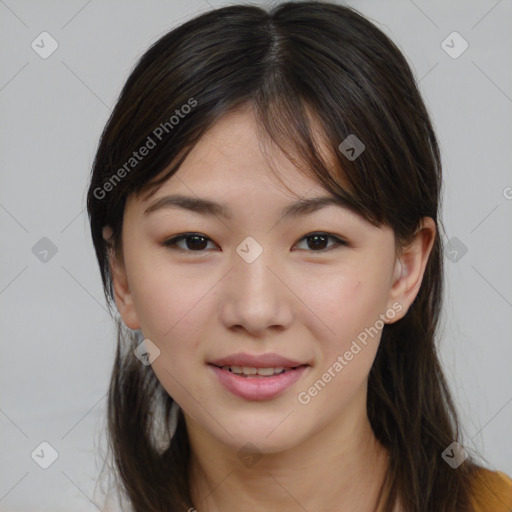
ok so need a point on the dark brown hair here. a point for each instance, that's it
(296, 63)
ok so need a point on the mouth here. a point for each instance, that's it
(252, 372)
(257, 378)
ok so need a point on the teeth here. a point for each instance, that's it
(270, 371)
(249, 371)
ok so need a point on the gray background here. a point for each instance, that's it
(57, 338)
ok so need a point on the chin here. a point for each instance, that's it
(270, 435)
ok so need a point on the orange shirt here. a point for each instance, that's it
(493, 492)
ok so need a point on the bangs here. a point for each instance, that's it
(312, 147)
(295, 127)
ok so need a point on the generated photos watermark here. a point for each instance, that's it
(146, 352)
(454, 455)
(352, 147)
(305, 397)
(151, 142)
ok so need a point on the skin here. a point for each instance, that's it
(294, 299)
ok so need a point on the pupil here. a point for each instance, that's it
(196, 245)
(316, 237)
(196, 242)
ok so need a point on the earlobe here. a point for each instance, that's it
(410, 267)
(122, 293)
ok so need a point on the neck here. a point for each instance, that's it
(328, 471)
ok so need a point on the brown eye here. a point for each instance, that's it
(194, 242)
(318, 242)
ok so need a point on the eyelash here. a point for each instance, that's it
(171, 243)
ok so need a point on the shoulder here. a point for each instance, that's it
(492, 491)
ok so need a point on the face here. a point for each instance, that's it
(252, 290)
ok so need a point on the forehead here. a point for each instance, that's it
(236, 156)
(235, 173)
(234, 150)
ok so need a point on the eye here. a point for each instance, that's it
(196, 242)
(318, 241)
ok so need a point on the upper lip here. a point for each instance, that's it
(260, 361)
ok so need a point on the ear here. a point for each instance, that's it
(410, 268)
(122, 293)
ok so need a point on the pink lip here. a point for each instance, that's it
(261, 361)
(258, 388)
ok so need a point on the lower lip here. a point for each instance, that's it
(258, 388)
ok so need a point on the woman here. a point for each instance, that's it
(264, 206)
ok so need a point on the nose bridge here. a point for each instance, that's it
(255, 281)
(255, 276)
(257, 298)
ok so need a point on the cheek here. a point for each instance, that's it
(167, 298)
(170, 306)
(348, 307)
(345, 303)
(172, 311)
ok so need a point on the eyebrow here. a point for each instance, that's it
(208, 207)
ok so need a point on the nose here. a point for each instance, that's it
(257, 297)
